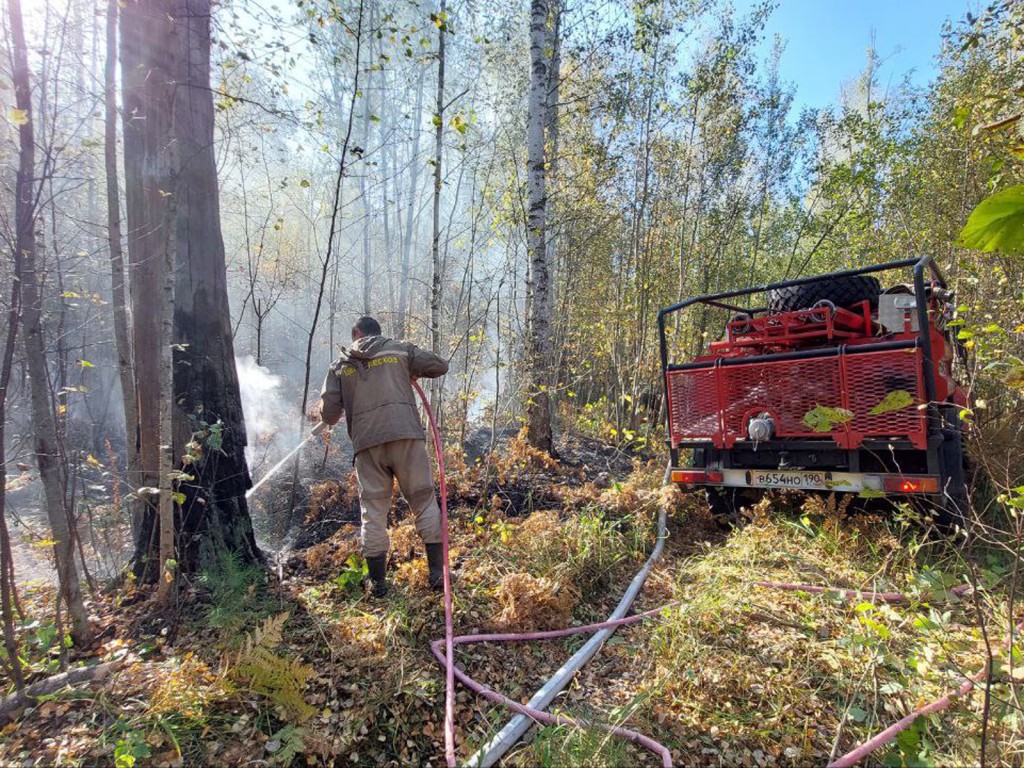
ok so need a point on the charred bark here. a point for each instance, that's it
(148, 88)
(208, 425)
(7, 581)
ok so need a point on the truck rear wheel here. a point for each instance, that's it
(952, 505)
(842, 291)
(726, 504)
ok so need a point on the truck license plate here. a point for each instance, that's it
(771, 479)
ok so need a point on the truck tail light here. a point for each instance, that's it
(897, 484)
(696, 476)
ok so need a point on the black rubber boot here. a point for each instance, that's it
(435, 562)
(377, 569)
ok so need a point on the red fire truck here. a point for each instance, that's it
(825, 383)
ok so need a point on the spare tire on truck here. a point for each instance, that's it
(841, 291)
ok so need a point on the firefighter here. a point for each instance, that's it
(370, 384)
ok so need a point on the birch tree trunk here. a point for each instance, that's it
(165, 503)
(540, 350)
(410, 213)
(51, 471)
(554, 223)
(363, 196)
(435, 248)
(166, 499)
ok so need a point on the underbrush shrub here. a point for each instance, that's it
(413, 573)
(572, 745)
(520, 455)
(233, 589)
(360, 640)
(514, 465)
(186, 687)
(538, 539)
(405, 542)
(262, 669)
(595, 545)
(731, 648)
(329, 557)
(332, 499)
(530, 603)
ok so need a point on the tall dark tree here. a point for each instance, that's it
(119, 305)
(173, 202)
(148, 90)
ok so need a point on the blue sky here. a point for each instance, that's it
(826, 40)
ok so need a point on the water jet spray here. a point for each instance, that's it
(273, 470)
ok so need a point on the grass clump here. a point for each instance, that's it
(561, 745)
(738, 670)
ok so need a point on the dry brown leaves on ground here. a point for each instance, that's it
(530, 603)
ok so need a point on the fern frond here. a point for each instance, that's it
(269, 674)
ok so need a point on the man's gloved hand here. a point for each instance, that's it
(313, 414)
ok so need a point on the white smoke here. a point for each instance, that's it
(270, 421)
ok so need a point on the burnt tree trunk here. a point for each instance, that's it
(170, 44)
(215, 516)
(148, 87)
(8, 583)
(408, 235)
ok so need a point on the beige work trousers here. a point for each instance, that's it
(376, 469)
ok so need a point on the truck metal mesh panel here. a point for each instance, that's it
(869, 390)
(693, 405)
(880, 382)
(787, 390)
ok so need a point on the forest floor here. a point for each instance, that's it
(302, 668)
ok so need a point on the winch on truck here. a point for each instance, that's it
(825, 383)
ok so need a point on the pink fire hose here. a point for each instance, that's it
(540, 715)
(449, 663)
(447, 658)
(850, 594)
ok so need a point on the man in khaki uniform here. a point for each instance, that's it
(370, 384)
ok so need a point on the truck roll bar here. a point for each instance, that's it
(919, 265)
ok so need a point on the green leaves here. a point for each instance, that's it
(896, 400)
(821, 418)
(351, 577)
(17, 116)
(997, 223)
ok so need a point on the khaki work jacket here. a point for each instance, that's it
(369, 383)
